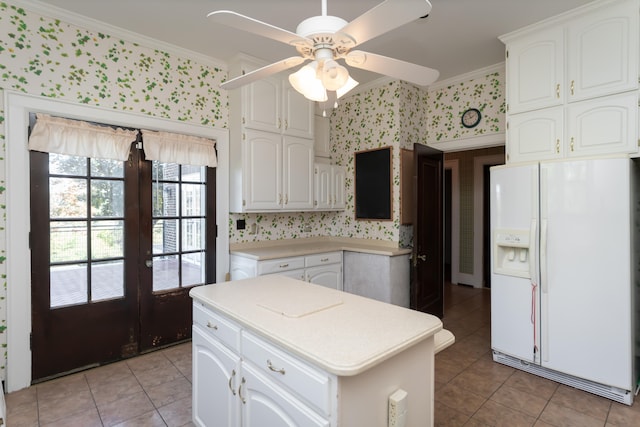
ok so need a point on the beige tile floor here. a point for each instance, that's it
(471, 390)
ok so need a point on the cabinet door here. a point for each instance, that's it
(322, 184)
(329, 276)
(297, 112)
(535, 71)
(298, 173)
(535, 135)
(216, 377)
(262, 169)
(338, 185)
(603, 51)
(605, 125)
(261, 105)
(264, 403)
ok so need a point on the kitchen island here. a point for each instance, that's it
(276, 351)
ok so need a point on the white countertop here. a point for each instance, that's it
(298, 247)
(342, 333)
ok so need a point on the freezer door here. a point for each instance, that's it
(585, 212)
(514, 291)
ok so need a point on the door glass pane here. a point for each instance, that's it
(193, 234)
(67, 198)
(68, 285)
(62, 164)
(193, 269)
(166, 273)
(68, 241)
(193, 196)
(107, 239)
(107, 280)
(107, 198)
(166, 235)
(106, 168)
(193, 173)
(165, 199)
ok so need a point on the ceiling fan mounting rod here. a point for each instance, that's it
(324, 7)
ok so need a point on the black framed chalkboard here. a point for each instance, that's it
(373, 184)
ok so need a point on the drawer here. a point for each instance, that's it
(305, 381)
(324, 258)
(281, 264)
(217, 326)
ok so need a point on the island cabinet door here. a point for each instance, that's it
(264, 403)
(216, 378)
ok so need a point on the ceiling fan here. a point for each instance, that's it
(326, 39)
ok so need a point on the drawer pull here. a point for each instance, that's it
(240, 390)
(284, 265)
(273, 368)
(324, 260)
(212, 326)
(233, 375)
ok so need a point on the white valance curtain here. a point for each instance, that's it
(178, 148)
(77, 138)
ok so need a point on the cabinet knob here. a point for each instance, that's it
(212, 326)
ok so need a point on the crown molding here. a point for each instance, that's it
(479, 73)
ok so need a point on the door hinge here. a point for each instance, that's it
(139, 145)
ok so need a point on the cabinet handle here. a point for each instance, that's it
(284, 265)
(273, 368)
(243, 382)
(571, 144)
(324, 260)
(557, 146)
(279, 123)
(212, 326)
(280, 198)
(286, 199)
(233, 375)
(573, 85)
(558, 91)
(286, 124)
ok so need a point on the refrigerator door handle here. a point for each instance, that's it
(532, 251)
(543, 256)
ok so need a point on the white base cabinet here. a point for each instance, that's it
(322, 269)
(234, 384)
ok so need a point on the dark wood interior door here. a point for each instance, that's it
(427, 279)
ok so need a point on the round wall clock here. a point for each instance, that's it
(471, 117)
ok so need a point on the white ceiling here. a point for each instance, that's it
(459, 36)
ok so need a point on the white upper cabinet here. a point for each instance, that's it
(535, 71)
(590, 53)
(330, 191)
(271, 151)
(603, 52)
(572, 84)
(322, 131)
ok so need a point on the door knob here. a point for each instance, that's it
(417, 257)
(149, 263)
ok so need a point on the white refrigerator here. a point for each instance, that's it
(563, 272)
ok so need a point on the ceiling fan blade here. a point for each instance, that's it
(263, 72)
(412, 73)
(384, 17)
(250, 25)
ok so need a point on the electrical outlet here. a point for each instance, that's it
(307, 229)
(398, 408)
(241, 224)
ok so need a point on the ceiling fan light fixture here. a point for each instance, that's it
(334, 75)
(306, 82)
(350, 84)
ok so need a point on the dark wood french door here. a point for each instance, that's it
(115, 249)
(427, 283)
